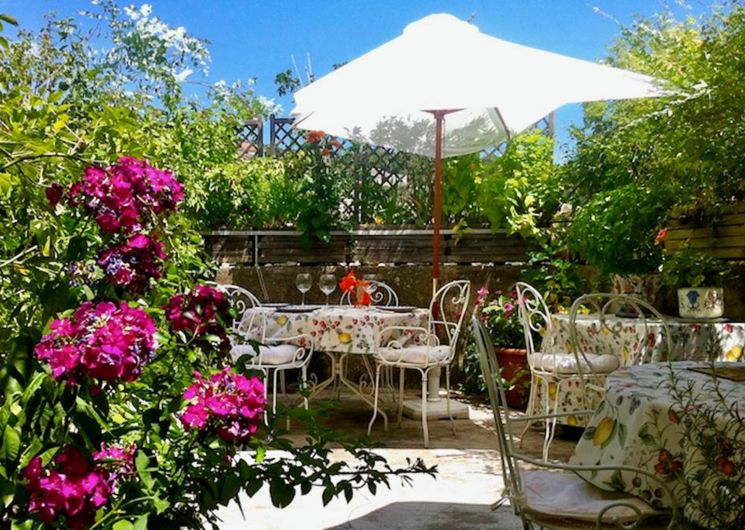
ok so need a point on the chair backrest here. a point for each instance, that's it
(381, 294)
(534, 314)
(510, 457)
(447, 309)
(491, 372)
(249, 319)
(644, 339)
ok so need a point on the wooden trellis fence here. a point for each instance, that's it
(378, 172)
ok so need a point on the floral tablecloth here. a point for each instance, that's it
(341, 329)
(640, 424)
(722, 341)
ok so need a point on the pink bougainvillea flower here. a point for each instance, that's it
(228, 404)
(134, 263)
(69, 492)
(124, 197)
(105, 341)
(54, 194)
(201, 313)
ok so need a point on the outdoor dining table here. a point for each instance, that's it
(344, 331)
(640, 423)
(695, 341)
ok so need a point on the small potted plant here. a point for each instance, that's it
(501, 318)
(699, 279)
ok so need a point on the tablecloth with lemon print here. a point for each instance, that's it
(720, 341)
(343, 329)
(639, 424)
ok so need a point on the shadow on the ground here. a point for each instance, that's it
(433, 516)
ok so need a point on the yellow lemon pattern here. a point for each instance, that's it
(552, 391)
(281, 320)
(604, 431)
(344, 337)
(734, 353)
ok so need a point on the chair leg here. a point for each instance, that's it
(304, 384)
(375, 400)
(532, 404)
(274, 392)
(425, 373)
(282, 384)
(401, 378)
(551, 429)
(447, 390)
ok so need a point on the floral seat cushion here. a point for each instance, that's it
(566, 363)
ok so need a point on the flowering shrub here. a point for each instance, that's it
(501, 317)
(201, 313)
(134, 263)
(125, 196)
(357, 288)
(227, 403)
(105, 341)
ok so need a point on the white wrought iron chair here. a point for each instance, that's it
(552, 369)
(632, 342)
(271, 355)
(551, 495)
(381, 294)
(424, 349)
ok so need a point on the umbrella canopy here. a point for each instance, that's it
(485, 88)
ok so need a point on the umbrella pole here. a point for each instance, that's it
(439, 116)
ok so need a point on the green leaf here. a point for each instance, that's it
(231, 485)
(123, 525)
(142, 463)
(161, 505)
(281, 493)
(141, 522)
(11, 444)
(328, 494)
(9, 19)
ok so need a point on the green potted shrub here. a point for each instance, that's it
(699, 279)
(501, 318)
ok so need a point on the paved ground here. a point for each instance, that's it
(468, 482)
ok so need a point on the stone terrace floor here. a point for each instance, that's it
(468, 482)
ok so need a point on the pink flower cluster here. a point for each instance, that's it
(121, 197)
(230, 404)
(103, 341)
(74, 489)
(132, 264)
(200, 312)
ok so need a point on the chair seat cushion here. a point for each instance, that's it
(416, 354)
(566, 363)
(272, 355)
(558, 495)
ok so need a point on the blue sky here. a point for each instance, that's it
(254, 38)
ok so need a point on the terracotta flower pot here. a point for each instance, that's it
(515, 369)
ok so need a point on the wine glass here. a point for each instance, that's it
(371, 285)
(327, 284)
(303, 282)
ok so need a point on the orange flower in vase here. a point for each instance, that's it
(350, 284)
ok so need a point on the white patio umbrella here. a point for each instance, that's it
(444, 89)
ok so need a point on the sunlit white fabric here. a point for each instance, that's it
(441, 62)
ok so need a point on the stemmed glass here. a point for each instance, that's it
(303, 282)
(371, 285)
(327, 284)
